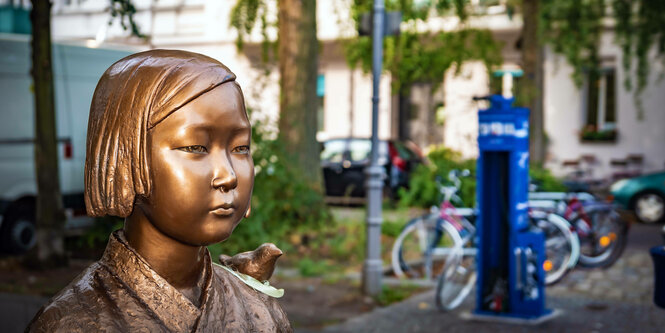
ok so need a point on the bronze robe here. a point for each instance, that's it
(121, 293)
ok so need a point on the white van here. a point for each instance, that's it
(76, 70)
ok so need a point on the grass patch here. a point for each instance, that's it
(308, 267)
(394, 294)
(337, 247)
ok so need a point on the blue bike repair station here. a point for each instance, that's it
(511, 279)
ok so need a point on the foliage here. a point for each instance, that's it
(97, 235)
(282, 202)
(392, 228)
(394, 294)
(125, 10)
(591, 133)
(411, 57)
(544, 179)
(574, 29)
(423, 190)
(309, 267)
(243, 19)
(423, 56)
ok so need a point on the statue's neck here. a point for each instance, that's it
(181, 265)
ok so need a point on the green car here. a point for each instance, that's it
(645, 195)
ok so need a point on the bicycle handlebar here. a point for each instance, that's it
(481, 98)
(454, 176)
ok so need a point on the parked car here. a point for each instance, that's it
(344, 160)
(645, 195)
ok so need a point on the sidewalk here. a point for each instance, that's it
(619, 299)
(580, 314)
(16, 311)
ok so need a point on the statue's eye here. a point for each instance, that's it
(240, 150)
(195, 149)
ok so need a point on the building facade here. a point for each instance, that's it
(594, 131)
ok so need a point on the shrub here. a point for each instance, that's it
(423, 192)
(97, 235)
(544, 179)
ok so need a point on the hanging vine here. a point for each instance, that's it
(124, 10)
(574, 27)
(417, 56)
(245, 15)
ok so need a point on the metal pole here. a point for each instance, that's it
(372, 269)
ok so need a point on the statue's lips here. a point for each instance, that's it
(223, 211)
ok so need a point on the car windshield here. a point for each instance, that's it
(360, 149)
(356, 150)
(333, 151)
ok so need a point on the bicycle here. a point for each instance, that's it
(428, 241)
(459, 275)
(602, 232)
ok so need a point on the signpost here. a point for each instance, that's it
(372, 268)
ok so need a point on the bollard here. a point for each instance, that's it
(658, 257)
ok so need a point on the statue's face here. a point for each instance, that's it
(201, 168)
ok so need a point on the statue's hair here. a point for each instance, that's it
(133, 95)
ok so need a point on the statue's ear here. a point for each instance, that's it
(249, 211)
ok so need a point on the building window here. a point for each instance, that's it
(600, 107)
(320, 93)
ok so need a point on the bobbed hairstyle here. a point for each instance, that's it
(133, 95)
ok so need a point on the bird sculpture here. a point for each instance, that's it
(258, 264)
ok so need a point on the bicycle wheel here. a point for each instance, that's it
(420, 250)
(603, 236)
(456, 281)
(562, 247)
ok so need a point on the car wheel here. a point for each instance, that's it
(649, 207)
(18, 232)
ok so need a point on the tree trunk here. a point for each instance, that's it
(298, 69)
(50, 214)
(532, 85)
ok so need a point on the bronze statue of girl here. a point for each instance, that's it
(168, 149)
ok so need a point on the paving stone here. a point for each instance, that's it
(614, 293)
(583, 286)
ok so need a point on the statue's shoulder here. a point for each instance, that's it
(225, 278)
(256, 303)
(75, 307)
